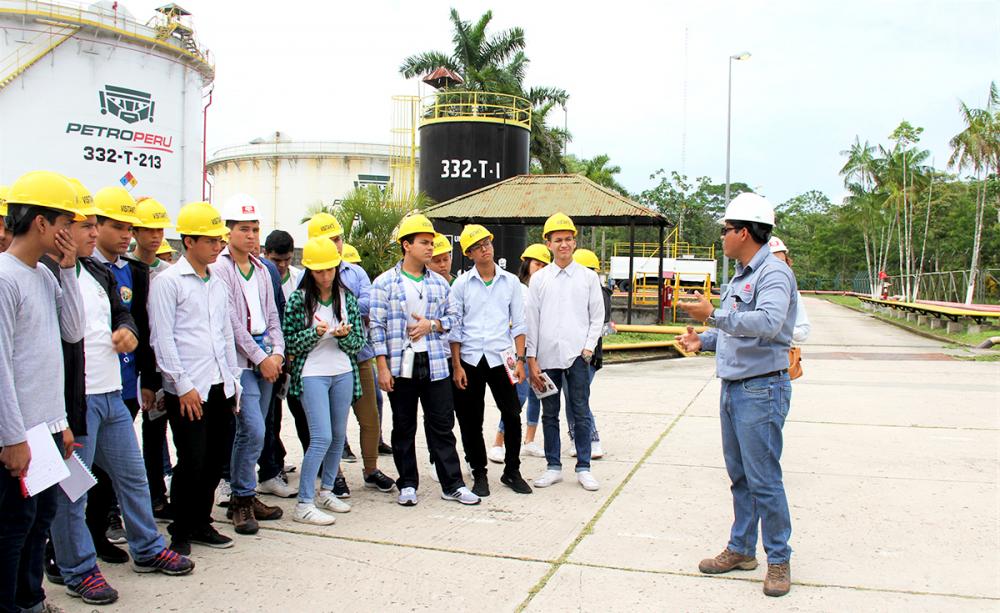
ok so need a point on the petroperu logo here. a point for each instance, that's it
(249, 209)
(129, 105)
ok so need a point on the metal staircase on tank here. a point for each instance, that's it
(34, 49)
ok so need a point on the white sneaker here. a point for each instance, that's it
(223, 493)
(307, 513)
(533, 450)
(496, 454)
(572, 449)
(326, 500)
(463, 495)
(549, 477)
(407, 497)
(276, 487)
(434, 474)
(596, 451)
(587, 480)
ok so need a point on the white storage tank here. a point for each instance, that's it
(287, 177)
(95, 94)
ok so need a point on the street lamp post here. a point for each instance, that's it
(729, 130)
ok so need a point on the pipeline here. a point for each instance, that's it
(648, 345)
(990, 342)
(648, 329)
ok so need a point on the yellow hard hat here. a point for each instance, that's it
(116, 203)
(3, 200)
(414, 224)
(320, 254)
(350, 254)
(442, 244)
(47, 189)
(559, 221)
(472, 234)
(151, 214)
(83, 198)
(165, 248)
(324, 225)
(200, 219)
(587, 259)
(538, 252)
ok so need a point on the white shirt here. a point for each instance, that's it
(191, 333)
(487, 317)
(251, 291)
(802, 326)
(291, 281)
(565, 314)
(327, 359)
(416, 301)
(102, 371)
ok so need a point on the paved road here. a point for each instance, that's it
(891, 466)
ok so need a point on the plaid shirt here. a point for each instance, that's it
(388, 316)
(301, 337)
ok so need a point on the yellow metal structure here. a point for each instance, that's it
(651, 329)
(671, 248)
(682, 287)
(23, 58)
(676, 346)
(645, 289)
(450, 105)
(403, 153)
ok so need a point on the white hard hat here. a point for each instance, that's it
(749, 206)
(241, 207)
(777, 245)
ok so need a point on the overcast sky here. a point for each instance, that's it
(820, 73)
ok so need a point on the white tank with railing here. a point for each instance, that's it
(287, 178)
(91, 92)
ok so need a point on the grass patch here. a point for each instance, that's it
(637, 337)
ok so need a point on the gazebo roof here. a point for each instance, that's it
(531, 199)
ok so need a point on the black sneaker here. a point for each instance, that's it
(116, 530)
(480, 484)
(384, 449)
(516, 483)
(209, 537)
(163, 512)
(340, 489)
(107, 552)
(52, 572)
(349, 455)
(380, 481)
(181, 546)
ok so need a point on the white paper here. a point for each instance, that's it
(47, 466)
(80, 478)
(550, 388)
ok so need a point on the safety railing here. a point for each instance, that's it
(299, 149)
(476, 106)
(28, 52)
(669, 249)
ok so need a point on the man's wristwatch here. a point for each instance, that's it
(522, 358)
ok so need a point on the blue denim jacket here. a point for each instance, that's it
(755, 319)
(388, 314)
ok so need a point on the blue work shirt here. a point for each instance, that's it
(122, 273)
(356, 279)
(755, 319)
(486, 317)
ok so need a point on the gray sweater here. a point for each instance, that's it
(34, 312)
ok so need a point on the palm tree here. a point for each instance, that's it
(370, 215)
(498, 64)
(977, 148)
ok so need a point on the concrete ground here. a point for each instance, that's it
(891, 468)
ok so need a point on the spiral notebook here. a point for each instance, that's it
(80, 478)
(47, 466)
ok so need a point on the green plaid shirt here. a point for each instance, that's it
(301, 337)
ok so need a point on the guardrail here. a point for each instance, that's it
(299, 149)
(476, 106)
(952, 313)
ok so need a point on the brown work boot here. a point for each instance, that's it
(779, 579)
(243, 520)
(262, 512)
(726, 561)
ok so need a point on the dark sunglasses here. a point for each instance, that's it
(727, 229)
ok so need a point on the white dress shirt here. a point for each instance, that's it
(565, 314)
(191, 333)
(487, 318)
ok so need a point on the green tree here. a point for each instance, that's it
(597, 169)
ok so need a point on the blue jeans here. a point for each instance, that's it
(249, 440)
(111, 443)
(24, 527)
(571, 426)
(534, 404)
(577, 379)
(327, 403)
(752, 413)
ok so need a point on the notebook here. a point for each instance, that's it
(550, 388)
(47, 466)
(80, 478)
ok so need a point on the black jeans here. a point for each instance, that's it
(301, 424)
(439, 421)
(272, 456)
(154, 443)
(24, 528)
(469, 407)
(201, 452)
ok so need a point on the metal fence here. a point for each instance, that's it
(949, 286)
